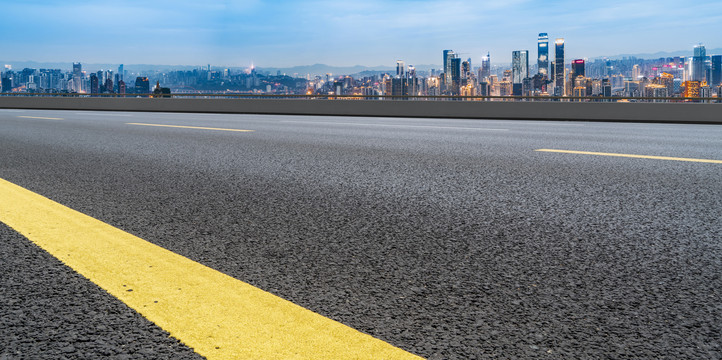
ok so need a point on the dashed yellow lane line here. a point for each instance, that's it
(190, 127)
(40, 117)
(218, 316)
(632, 156)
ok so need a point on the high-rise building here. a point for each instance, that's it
(699, 64)
(7, 85)
(716, 71)
(455, 75)
(519, 70)
(465, 68)
(636, 72)
(400, 68)
(448, 56)
(120, 73)
(691, 89)
(485, 70)
(413, 81)
(94, 85)
(142, 85)
(543, 54)
(578, 68)
(77, 77)
(117, 82)
(559, 67)
(108, 86)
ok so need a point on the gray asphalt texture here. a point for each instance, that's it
(49, 311)
(452, 239)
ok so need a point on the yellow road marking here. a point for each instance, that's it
(632, 156)
(190, 127)
(218, 316)
(40, 117)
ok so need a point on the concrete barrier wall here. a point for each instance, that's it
(635, 112)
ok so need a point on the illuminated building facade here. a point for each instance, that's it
(578, 68)
(465, 69)
(142, 85)
(656, 91)
(691, 89)
(543, 54)
(559, 67)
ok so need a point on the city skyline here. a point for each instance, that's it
(373, 33)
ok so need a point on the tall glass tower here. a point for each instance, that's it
(455, 73)
(716, 72)
(559, 68)
(519, 70)
(77, 77)
(543, 57)
(578, 68)
(699, 63)
(400, 67)
(448, 55)
(485, 67)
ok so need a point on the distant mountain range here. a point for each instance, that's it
(303, 70)
(19, 65)
(661, 54)
(323, 69)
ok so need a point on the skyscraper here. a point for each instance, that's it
(77, 77)
(7, 85)
(578, 68)
(485, 70)
(465, 68)
(455, 75)
(699, 63)
(142, 85)
(413, 83)
(120, 72)
(636, 72)
(519, 70)
(559, 68)
(448, 56)
(400, 68)
(543, 57)
(94, 84)
(716, 71)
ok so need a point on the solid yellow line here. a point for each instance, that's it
(218, 316)
(190, 127)
(632, 156)
(40, 117)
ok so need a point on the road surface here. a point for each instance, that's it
(450, 239)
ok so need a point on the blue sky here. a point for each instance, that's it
(371, 32)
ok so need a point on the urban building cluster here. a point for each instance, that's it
(697, 76)
(122, 81)
(552, 74)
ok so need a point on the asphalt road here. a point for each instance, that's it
(452, 239)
